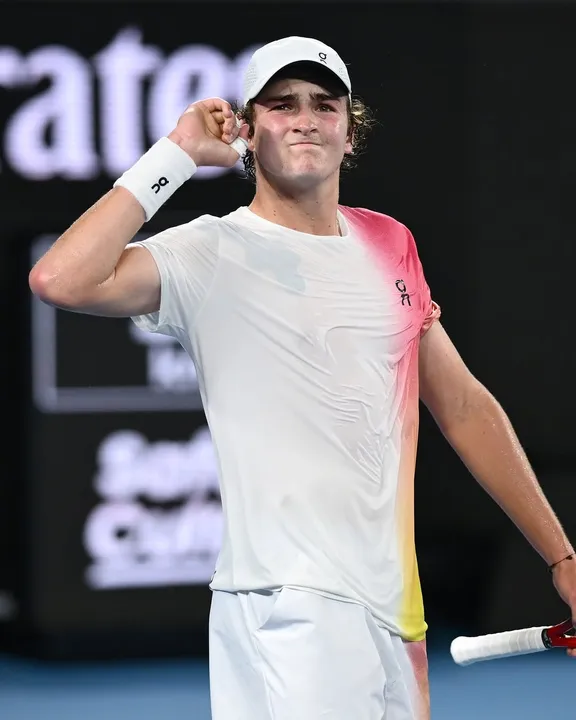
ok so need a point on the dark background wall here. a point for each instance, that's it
(474, 151)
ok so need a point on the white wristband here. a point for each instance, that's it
(157, 175)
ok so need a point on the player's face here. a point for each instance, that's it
(301, 133)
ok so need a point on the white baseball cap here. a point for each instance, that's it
(274, 56)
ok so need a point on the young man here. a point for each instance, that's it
(314, 334)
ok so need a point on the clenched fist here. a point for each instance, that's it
(205, 131)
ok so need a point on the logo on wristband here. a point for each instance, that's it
(161, 183)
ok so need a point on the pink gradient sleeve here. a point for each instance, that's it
(395, 248)
(430, 310)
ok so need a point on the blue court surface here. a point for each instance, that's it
(537, 687)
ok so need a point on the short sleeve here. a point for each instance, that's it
(433, 315)
(186, 257)
(430, 310)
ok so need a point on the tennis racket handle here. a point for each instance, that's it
(467, 650)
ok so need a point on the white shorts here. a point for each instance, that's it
(297, 655)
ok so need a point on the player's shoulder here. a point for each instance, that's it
(206, 224)
(202, 227)
(378, 227)
(205, 233)
(216, 223)
(366, 215)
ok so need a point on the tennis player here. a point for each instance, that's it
(314, 334)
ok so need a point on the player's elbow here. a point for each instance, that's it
(53, 289)
(41, 283)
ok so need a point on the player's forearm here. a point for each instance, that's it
(486, 442)
(86, 255)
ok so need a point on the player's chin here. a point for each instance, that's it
(311, 171)
(307, 181)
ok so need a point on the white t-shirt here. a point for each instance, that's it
(306, 349)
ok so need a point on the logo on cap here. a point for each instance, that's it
(322, 56)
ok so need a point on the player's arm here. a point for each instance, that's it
(89, 268)
(479, 430)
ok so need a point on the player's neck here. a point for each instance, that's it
(315, 213)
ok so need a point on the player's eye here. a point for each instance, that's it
(329, 108)
(283, 106)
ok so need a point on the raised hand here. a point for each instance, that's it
(205, 131)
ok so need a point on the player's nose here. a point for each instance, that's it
(305, 121)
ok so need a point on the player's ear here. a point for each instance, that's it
(245, 134)
(245, 128)
(249, 136)
(349, 147)
(244, 131)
